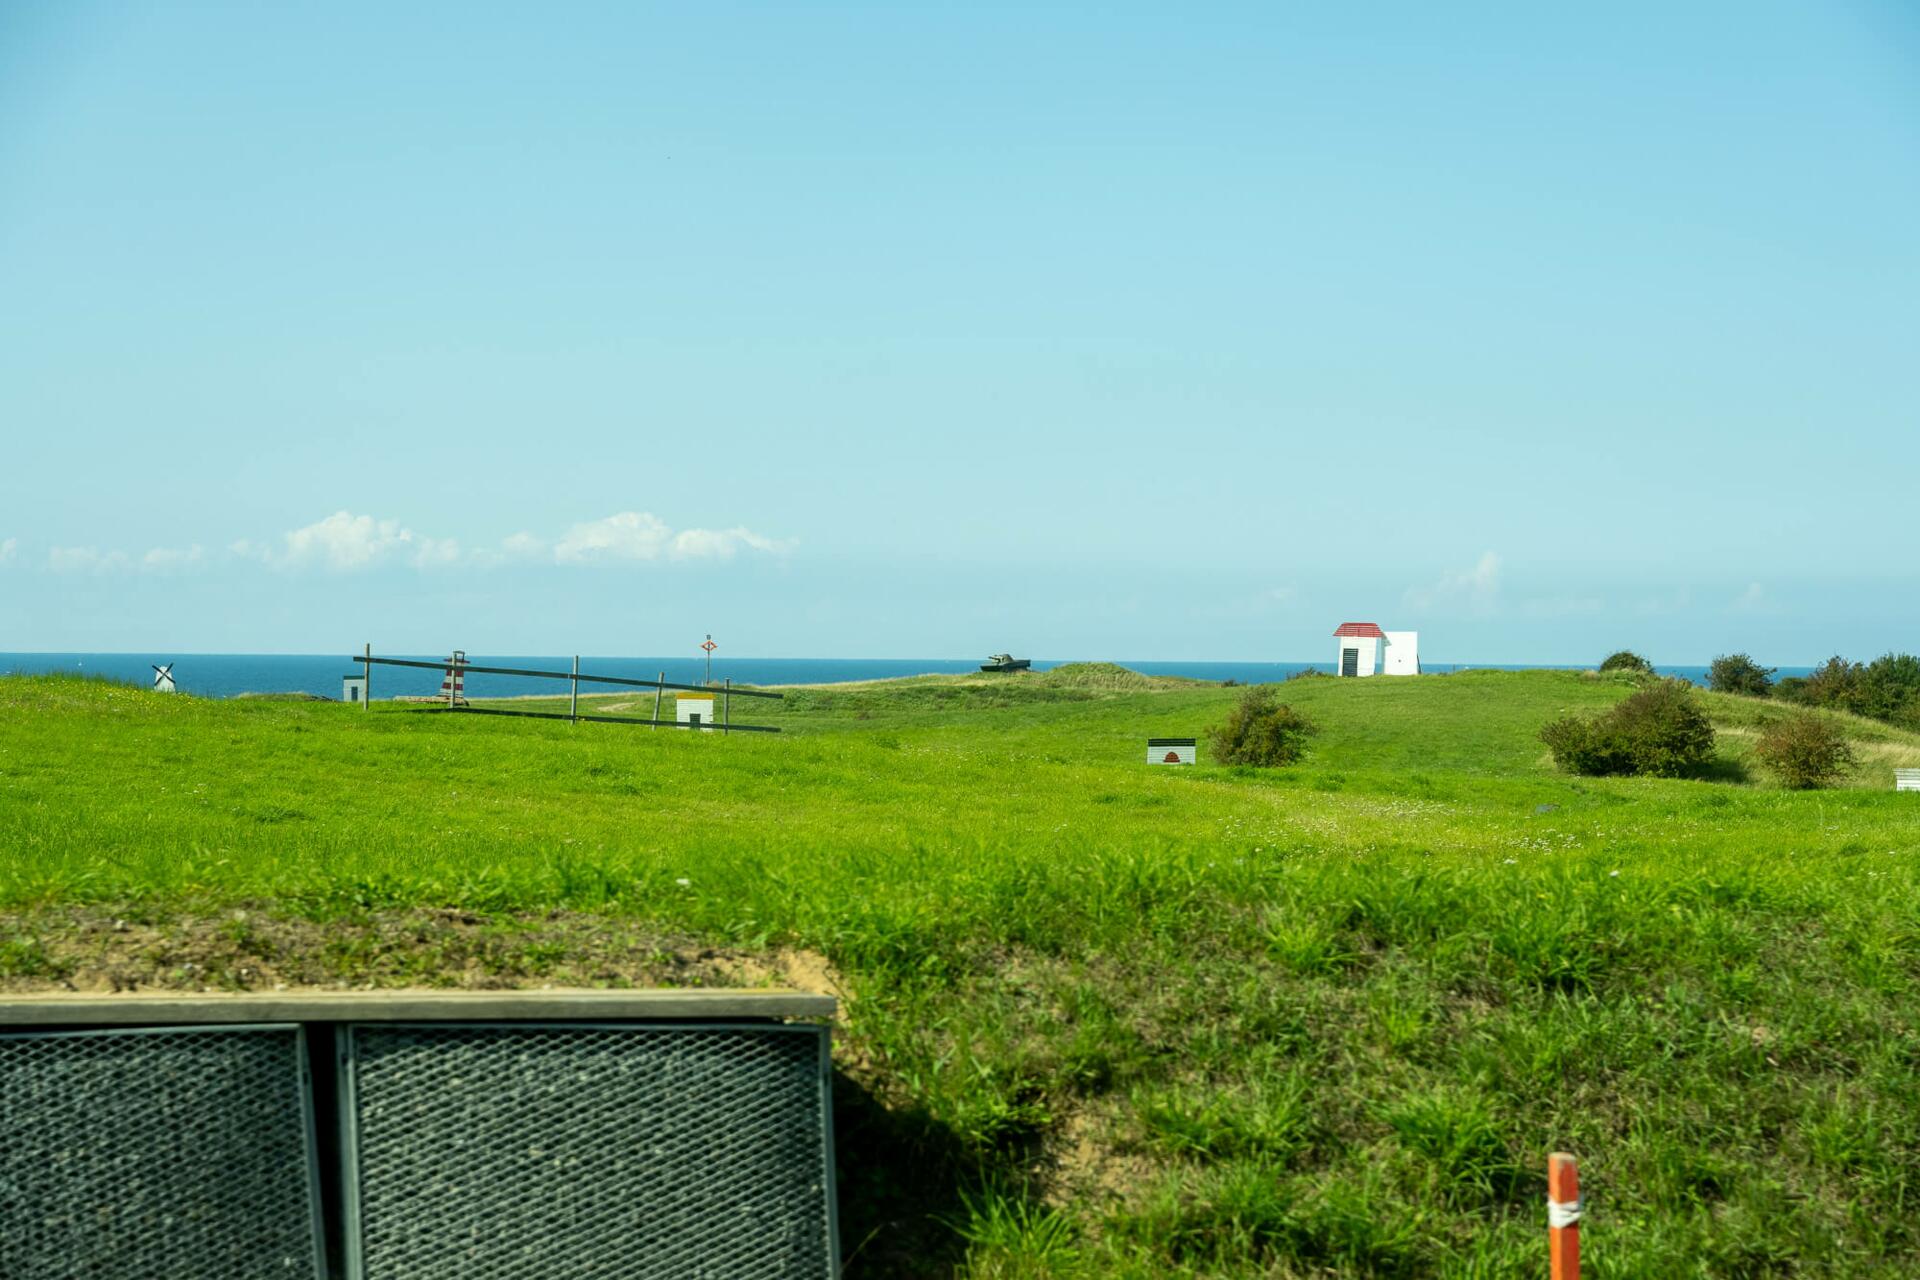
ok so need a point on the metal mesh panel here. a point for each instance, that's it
(569, 1153)
(133, 1155)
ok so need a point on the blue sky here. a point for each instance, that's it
(1140, 331)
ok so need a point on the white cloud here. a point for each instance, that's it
(1477, 588)
(8, 549)
(721, 544)
(630, 535)
(163, 558)
(344, 541)
(640, 535)
(1753, 600)
(524, 546)
(85, 560)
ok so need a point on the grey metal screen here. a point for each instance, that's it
(587, 1152)
(140, 1154)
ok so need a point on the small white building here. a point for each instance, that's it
(1365, 650)
(353, 689)
(694, 709)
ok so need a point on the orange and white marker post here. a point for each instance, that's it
(1563, 1216)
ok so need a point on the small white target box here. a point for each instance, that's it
(1170, 750)
(353, 688)
(695, 709)
(1906, 779)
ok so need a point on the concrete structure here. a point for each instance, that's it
(694, 708)
(1365, 650)
(1170, 750)
(167, 1008)
(353, 688)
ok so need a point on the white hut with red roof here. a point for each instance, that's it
(1366, 650)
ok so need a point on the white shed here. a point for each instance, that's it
(694, 709)
(1359, 651)
(1365, 650)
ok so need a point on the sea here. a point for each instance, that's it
(227, 675)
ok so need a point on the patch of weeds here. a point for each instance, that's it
(1232, 1212)
(1268, 1121)
(1455, 1133)
(246, 936)
(1011, 1238)
(23, 957)
(1307, 945)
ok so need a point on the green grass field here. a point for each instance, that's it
(1101, 1018)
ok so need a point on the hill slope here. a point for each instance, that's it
(1104, 1018)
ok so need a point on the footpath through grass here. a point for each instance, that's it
(1102, 1018)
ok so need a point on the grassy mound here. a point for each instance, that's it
(1103, 1018)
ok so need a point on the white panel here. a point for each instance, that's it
(1403, 653)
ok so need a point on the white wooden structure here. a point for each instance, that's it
(1365, 650)
(1170, 750)
(694, 709)
(353, 689)
(1906, 779)
(163, 679)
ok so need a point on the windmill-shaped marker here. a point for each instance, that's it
(163, 679)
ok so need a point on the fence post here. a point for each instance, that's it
(659, 688)
(366, 677)
(726, 706)
(573, 701)
(1563, 1216)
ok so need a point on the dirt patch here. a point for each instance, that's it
(251, 950)
(1089, 1164)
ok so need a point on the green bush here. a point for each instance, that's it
(1660, 731)
(1627, 661)
(1805, 751)
(1888, 688)
(1586, 747)
(1261, 731)
(1739, 673)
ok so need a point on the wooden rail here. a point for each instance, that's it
(457, 667)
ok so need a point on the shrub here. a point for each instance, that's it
(1805, 751)
(1659, 731)
(1835, 683)
(1739, 673)
(1629, 662)
(1888, 688)
(1261, 731)
(1585, 747)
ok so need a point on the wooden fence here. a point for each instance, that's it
(458, 667)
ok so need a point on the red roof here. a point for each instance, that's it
(1369, 629)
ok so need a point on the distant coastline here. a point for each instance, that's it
(226, 675)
